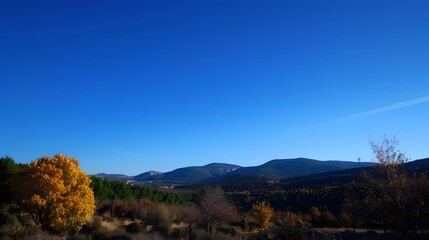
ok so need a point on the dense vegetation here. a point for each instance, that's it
(386, 201)
(111, 190)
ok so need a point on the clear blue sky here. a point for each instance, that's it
(131, 86)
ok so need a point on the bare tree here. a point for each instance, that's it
(215, 208)
(393, 200)
(191, 215)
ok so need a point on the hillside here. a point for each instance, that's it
(114, 177)
(332, 178)
(193, 174)
(236, 182)
(274, 169)
(146, 175)
(347, 175)
(287, 168)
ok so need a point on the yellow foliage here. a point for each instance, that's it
(56, 193)
(262, 213)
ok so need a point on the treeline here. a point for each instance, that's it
(103, 189)
(299, 200)
(113, 193)
(114, 190)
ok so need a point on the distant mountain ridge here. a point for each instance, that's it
(188, 175)
(287, 168)
(274, 169)
(114, 177)
(146, 175)
(311, 181)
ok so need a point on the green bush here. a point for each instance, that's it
(7, 218)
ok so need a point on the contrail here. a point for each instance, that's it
(114, 150)
(391, 107)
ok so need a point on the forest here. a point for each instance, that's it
(52, 198)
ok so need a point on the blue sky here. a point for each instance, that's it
(131, 86)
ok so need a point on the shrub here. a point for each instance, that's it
(149, 236)
(328, 219)
(7, 218)
(261, 213)
(118, 234)
(79, 237)
(288, 231)
(160, 219)
(134, 227)
(12, 231)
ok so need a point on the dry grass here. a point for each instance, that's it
(112, 224)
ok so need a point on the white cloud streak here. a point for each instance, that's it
(124, 151)
(391, 107)
(118, 149)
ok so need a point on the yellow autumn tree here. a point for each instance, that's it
(261, 212)
(55, 192)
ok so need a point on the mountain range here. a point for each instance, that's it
(311, 181)
(274, 169)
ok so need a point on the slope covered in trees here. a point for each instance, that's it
(287, 168)
(111, 190)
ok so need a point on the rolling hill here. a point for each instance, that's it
(190, 175)
(275, 169)
(344, 176)
(114, 177)
(146, 175)
(287, 168)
